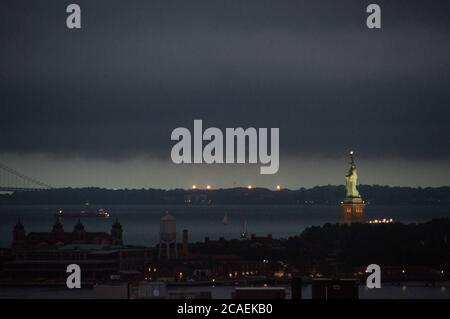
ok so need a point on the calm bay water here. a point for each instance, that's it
(141, 223)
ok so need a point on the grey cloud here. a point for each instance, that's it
(139, 69)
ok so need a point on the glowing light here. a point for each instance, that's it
(278, 187)
(249, 186)
(351, 152)
(381, 221)
(194, 186)
(208, 186)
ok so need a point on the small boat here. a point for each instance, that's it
(225, 219)
(244, 230)
(84, 213)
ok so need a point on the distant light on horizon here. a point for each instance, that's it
(249, 186)
(381, 221)
(278, 187)
(194, 186)
(208, 186)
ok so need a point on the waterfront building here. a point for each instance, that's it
(58, 236)
(42, 257)
(335, 288)
(259, 293)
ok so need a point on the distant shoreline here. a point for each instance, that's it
(165, 206)
(319, 195)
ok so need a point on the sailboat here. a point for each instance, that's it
(225, 219)
(244, 230)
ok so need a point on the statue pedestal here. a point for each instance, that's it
(353, 211)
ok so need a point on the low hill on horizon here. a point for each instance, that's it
(319, 195)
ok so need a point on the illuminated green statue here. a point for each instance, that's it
(351, 179)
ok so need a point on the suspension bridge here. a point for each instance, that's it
(12, 180)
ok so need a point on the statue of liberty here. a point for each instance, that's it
(353, 205)
(351, 179)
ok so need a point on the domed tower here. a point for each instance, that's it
(116, 233)
(57, 227)
(353, 205)
(18, 233)
(79, 232)
(168, 237)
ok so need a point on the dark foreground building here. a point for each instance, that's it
(59, 237)
(43, 257)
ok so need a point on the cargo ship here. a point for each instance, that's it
(84, 213)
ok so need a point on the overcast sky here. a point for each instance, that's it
(97, 106)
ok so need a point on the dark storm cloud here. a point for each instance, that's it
(138, 69)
